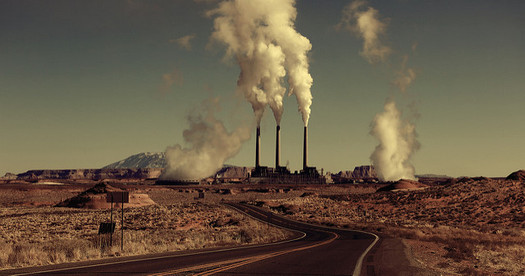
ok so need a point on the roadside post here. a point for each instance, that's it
(111, 233)
(103, 229)
(118, 197)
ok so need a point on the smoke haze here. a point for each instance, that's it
(405, 76)
(209, 145)
(168, 79)
(184, 42)
(395, 133)
(260, 35)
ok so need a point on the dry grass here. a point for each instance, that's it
(46, 235)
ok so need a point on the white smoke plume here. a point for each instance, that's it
(397, 135)
(364, 21)
(260, 35)
(397, 143)
(209, 145)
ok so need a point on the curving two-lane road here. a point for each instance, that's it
(315, 251)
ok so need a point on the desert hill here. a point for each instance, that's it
(403, 184)
(95, 198)
(517, 175)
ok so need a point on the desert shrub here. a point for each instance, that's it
(472, 271)
(149, 229)
(509, 259)
(25, 254)
(245, 236)
(459, 249)
(58, 251)
(4, 253)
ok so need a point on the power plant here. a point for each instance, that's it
(281, 174)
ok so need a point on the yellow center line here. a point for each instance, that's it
(231, 264)
(265, 256)
(198, 267)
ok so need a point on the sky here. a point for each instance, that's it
(87, 83)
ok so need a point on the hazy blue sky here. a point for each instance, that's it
(81, 84)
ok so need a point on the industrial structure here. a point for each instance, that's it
(280, 174)
(264, 174)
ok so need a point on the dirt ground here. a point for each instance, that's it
(468, 226)
(34, 232)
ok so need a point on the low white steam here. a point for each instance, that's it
(397, 143)
(260, 35)
(396, 134)
(209, 145)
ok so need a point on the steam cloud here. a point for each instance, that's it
(260, 35)
(210, 145)
(396, 134)
(364, 22)
(405, 76)
(397, 143)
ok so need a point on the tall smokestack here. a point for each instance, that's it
(277, 146)
(305, 149)
(257, 146)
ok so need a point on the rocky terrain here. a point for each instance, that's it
(449, 226)
(467, 226)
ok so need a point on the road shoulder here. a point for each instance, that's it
(392, 257)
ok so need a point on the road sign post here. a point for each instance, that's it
(118, 197)
(111, 233)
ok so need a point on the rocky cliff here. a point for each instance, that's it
(363, 172)
(90, 174)
(359, 173)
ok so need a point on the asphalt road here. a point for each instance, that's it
(315, 251)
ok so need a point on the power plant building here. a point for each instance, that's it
(280, 174)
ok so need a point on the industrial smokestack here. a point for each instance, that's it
(257, 146)
(305, 149)
(277, 147)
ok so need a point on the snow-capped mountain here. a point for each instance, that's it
(141, 160)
